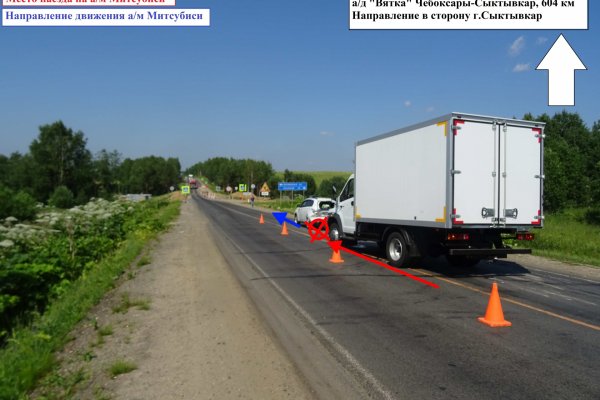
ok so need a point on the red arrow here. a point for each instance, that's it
(336, 245)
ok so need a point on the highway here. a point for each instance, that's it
(356, 330)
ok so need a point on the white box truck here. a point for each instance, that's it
(457, 185)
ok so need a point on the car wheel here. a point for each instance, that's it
(334, 231)
(396, 250)
(296, 218)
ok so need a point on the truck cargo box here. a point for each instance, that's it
(458, 170)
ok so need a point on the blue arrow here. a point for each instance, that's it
(282, 216)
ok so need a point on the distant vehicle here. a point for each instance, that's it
(313, 207)
(458, 186)
(193, 184)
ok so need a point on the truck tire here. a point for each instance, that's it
(396, 250)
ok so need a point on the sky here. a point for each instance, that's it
(281, 81)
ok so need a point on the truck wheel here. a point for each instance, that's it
(396, 250)
(462, 261)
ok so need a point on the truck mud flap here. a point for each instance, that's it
(487, 252)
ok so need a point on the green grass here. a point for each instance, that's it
(144, 260)
(29, 353)
(285, 205)
(105, 330)
(126, 303)
(566, 237)
(59, 386)
(120, 367)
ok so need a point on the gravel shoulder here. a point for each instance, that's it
(186, 328)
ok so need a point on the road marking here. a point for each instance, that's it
(510, 300)
(474, 289)
(565, 276)
(367, 375)
(253, 217)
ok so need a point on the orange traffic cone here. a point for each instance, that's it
(336, 258)
(284, 230)
(494, 316)
(261, 220)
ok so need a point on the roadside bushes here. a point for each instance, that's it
(62, 197)
(20, 205)
(592, 216)
(40, 260)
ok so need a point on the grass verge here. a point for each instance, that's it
(565, 237)
(121, 367)
(29, 353)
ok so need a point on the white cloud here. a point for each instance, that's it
(407, 103)
(522, 67)
(430, 109)
(541, 40)
(517, 46)
(326, 133)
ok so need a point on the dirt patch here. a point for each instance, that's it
(179, 327)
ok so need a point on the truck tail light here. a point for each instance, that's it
(525, 236)
(458, 236)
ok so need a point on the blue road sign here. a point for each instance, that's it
(292, 186)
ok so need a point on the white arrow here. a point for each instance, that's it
(561, 61)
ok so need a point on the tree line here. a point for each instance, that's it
(61, 171)
(571, 161)
(571, 164)
(231, 172)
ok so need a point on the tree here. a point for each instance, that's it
(19, 205)
(61, 159)
(325, 188)
(62, 197)
(152, 174)
(106, 165)
(571, 162)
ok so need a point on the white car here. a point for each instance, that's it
(313, 207)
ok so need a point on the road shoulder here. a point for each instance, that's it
(185, 327)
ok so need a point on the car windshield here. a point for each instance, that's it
(326, 205)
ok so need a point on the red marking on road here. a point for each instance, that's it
(336, 245)
(318, 229)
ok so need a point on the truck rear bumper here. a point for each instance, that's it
(487, 252)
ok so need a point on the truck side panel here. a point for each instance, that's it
(401, 178)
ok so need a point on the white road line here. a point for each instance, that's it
(564, 275)
(367, 375)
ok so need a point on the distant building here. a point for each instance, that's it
(138, 197)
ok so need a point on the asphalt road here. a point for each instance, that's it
(358, 330)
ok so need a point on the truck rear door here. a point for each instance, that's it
(497, 169)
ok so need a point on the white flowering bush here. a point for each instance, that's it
(39, 260)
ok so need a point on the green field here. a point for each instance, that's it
(566, 237)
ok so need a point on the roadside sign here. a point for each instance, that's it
(292, 186)
(228, 188)
(252, 186)
(218, 188)
(243, 187)
(265, 187)
(172, 188)
(185, 189)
